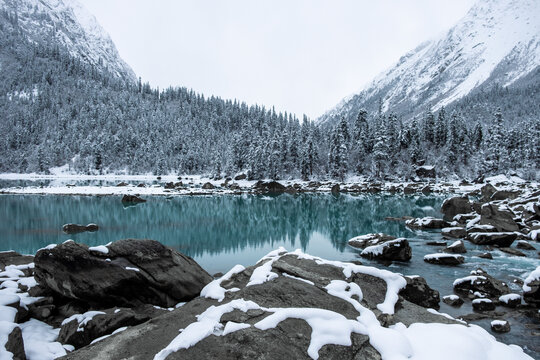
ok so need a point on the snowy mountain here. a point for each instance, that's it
(68, 24)
(497, 42)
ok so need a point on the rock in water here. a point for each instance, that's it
(480, 283)
(453, 232)
(335, 189)
(393, 250)
(426, 223)
(132, 199)
(74, 228)
(270, 187)
(457, 247)
(453, 300)
(444, 259)
(418, 292)
(483, 305)
(502, 219)
(454, 206)
(500, 326)
(362, 241)
(531, 288)
(137, 272)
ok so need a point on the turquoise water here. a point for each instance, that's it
(222, 231)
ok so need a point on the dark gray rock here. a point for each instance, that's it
(393, 250)
(454, 206)
(139, 272)
(504, 195)
(444, 259)
(270, 187)
(240, 177)
(501, 219)
(13, 258)
(486, 255)
(522, 244)
(457, 247)
(531, 293)
(454, 232)
(80, 335)
(132, 199)
(453, 300)
(501, 239)
(208, 186)
(335, 189)
(512, 251)
(500, 326)
(426, 172)
(426, 223)
(483, 305)
(288, 340)
(363, 241)
(15, 344)
(480, 282)
(487, 191)
(74, 228)
(418, 292)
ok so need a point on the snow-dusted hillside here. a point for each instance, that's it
(69, 24)
(496, 42)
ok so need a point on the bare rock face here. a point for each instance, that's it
(454, 206)
(126, 272)
(418, 292)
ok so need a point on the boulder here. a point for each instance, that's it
(170, 185)
(436, 243)
(500, 218)
(444, 259)
(126, 272)
(454, 206)
(13, 258)
(457, 247)
(121, 184)
(483, 305)
(288, 306)
(525, 245)
(426, 223)
(81, 329)
(504, 195)
(486, 255)
(335, 189)
(15, 344)
(208, 186)
(512, 251)
(269, 187)
(426, 171)
(510, 300)
(362, 241)
(500, 326)
(480, 283)
(487, 191)
(393, 250)
(454, 232)
(501, 239)
(132, 199)
(240, 177)
(74, 228)
(531, 288)
(418, 292)
(453, 300)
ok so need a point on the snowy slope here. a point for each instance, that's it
(496, 42)
(72, 26)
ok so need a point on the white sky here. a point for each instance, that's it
(302, 56)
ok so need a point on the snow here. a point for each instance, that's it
(214, 290)
(40, 341)
(232, 326)
(499, 322)
(481, 301)
(455, 243)
(298, 278)
(533, 276)
(106, 336)
(132, 269)
(471, 279)
(101, 248)
(441, 256)
(263, 273)
(451, 297)
(535, 235)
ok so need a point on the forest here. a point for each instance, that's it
(56, 109)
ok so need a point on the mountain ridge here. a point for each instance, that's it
(497, 41)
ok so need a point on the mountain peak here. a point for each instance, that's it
(496, 42)
(72, 26)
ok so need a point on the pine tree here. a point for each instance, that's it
(440, 134)
(380, 151)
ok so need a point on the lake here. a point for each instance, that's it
(222, 231)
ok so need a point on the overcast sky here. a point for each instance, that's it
(302, 56)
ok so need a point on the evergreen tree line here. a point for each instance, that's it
(57, 110)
